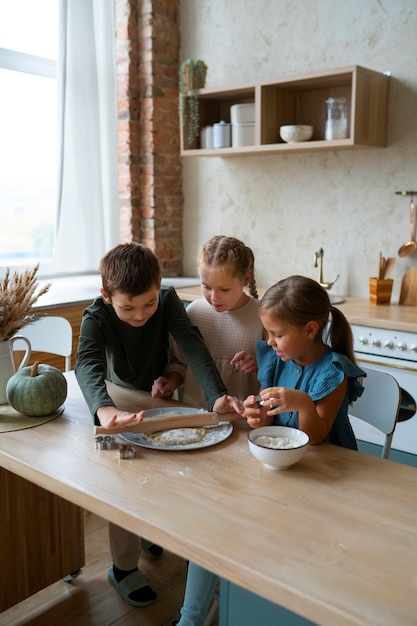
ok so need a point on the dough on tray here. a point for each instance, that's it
(178, 436)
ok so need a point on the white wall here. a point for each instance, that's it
(288, 206)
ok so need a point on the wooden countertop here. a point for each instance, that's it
(72, 291)
(333, 538)
(357, 310)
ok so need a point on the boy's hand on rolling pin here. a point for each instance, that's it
(111, 417)
(226, 404)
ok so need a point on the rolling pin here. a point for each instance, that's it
(167, 422)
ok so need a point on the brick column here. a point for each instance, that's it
(150, 173)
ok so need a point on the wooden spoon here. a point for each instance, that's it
(410, 246)
(389, 266)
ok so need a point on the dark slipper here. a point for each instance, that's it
(151, 550)
(133, 584)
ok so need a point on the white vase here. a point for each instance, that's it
(7, 368)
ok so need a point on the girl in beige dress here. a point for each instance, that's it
(228, 318)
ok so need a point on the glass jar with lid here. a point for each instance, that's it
(336, 122)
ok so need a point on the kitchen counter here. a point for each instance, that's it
(76, 290)
(340, 525)
(357, 310)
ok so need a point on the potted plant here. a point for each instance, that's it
(192, 78)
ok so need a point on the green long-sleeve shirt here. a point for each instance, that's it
(134, 357)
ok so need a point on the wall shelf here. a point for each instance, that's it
(301, 100)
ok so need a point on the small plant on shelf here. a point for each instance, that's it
(192, 78)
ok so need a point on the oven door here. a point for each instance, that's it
(405, 435)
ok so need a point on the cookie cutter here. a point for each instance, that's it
(262, 403)
(126, 451)
(106, 442)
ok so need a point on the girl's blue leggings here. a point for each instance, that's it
(199, 591)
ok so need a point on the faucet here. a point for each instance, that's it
(318, 262)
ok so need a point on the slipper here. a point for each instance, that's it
(135, 581)
(151, 550)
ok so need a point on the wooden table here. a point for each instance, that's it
(333, 539)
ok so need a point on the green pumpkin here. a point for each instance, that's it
(36, 390)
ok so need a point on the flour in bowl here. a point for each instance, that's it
(276, 442)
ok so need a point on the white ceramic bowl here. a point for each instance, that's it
(277, 458)
(293, 133)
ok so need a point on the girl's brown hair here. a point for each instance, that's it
(298, 300)
(221, 250)
(129, 268)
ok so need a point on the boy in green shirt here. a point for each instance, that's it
(125, 345)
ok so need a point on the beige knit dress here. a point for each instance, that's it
(225, 334)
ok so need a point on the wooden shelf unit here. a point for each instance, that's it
(301, 100)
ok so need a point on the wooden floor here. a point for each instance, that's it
(89, 600)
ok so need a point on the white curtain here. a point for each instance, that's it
(88, 223)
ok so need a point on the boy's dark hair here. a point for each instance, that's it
(129, 268)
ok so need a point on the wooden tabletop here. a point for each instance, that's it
(333, 539)
(357, 310)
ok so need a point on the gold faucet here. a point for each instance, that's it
(318, 262)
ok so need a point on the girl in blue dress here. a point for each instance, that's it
(306, 368)
(308, 378)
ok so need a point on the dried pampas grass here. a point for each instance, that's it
(17, 296)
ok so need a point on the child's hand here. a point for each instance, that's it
(162, 388)
(225, 404)
(256, 414)
(244, 362)
(284, 399)
(111, 417)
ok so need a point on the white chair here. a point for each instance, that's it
(51, 334)
(379, 404)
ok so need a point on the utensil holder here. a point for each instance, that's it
(380, 290)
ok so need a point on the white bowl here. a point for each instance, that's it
(277, 458)
(295, 133)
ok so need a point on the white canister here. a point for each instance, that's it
(221, 135)
(242, 113)
(209, 137)
(243, 135)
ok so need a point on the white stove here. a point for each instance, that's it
(377, 342)
(394, 352)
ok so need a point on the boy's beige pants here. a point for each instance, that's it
(125, 546)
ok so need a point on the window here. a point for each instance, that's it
(58, 134)
(28, 131)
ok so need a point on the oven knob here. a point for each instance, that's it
(413, 347)
(375, 343)
(363, 341)
(401, 346)
(388, 344)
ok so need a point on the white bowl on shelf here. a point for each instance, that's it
(261, 439)
(295, 133)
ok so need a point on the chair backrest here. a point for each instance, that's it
(51, 334)
(379, 404)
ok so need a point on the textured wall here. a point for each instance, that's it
(288, 206)
(150, 189)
